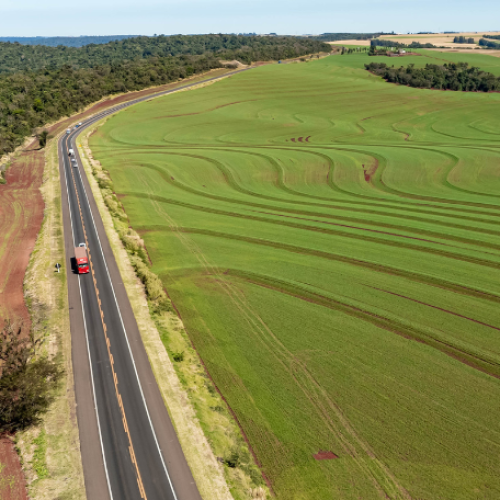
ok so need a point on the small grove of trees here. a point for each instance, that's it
(43, 137)
(489, 44)
(462, 39)
(451, 76)
(353, 50)
(27, 380)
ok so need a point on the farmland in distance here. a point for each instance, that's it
(332, 243)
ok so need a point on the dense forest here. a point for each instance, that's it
(489, 44)
(30, 99)
(462, 39)
(68, 41)
(451, 76)
(17, 57)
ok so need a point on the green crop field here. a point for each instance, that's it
(332, 243)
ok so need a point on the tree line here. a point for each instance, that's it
(334, 37)
(390, 43)
(489, 44)
(30, 99)
(18, 57)
(453, 76)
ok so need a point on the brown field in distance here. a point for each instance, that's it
(364, 43)
(439, 39)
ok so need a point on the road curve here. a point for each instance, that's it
(128, 444)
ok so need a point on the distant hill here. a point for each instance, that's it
(67, 41)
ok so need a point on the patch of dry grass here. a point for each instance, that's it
(363, 43)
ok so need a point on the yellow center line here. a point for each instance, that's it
(108, 345)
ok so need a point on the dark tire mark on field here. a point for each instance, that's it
(281, 185)
(372, 266)
(351, 235)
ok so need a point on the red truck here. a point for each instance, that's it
(82, 261)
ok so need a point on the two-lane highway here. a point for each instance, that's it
(129, 447)
(135, 466)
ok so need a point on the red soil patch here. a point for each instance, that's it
(325, 455)
(12, 482)
(21, 214)
(370, 171)
(300, 139)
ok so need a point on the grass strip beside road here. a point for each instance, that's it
(51, 451)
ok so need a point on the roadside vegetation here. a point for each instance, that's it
(331, 245)
(453, 76)
(28, 379)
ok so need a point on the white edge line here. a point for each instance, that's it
(87, 337)
(93, 392)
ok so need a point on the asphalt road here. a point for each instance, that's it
(129, 447)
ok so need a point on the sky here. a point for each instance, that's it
(293, 17)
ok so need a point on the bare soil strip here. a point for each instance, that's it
(12, 483)
(21, 214)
